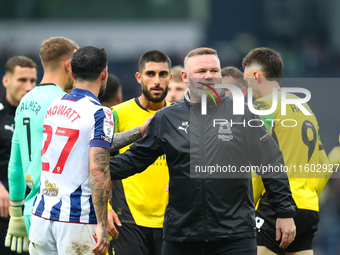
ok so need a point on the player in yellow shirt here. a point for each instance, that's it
(334, 155)
(140, 200)
(298, 137)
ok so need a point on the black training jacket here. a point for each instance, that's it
(208, 207)
(7, 114)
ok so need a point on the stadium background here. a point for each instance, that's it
(305, 32)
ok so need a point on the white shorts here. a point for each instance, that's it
(59, 238)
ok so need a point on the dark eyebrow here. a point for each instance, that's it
(150, 71)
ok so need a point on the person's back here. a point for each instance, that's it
(298, 137)
(297, 134)
(28, 138)
(25, 162)
(26, 159)
(78, 133)
(65, 193)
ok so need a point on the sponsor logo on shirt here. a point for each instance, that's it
(50, 189)
(29, 181)
(225, 133)
(95, 237)
(265, 137)
(184, 127)
(10, 128)
(108, 113)
(108, 130)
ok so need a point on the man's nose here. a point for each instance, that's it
(208, 75)
(28, 86)
(157, 81)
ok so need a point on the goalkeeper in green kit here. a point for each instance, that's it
(25, 161)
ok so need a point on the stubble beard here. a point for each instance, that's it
(150, 97)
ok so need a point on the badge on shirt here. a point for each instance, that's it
(108, 128)
(50, 189)
(29, 181)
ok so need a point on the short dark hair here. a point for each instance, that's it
(234, 73)
(199, 51)
(54, 48)
(112, 87)
(269, 60)
(88, 62)
(153, 56)
(21, 61)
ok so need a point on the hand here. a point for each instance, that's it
(167, 188)
(103, 242)
(286, 226)
(145, 125)
(112, 219)
(16, 231)
(5, 201)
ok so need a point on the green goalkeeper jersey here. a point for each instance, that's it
(25, 161)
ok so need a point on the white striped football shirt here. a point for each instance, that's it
(72, 125)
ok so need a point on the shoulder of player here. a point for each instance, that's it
(124, 106)
(172, 107)
(266, 102)
(293, 96)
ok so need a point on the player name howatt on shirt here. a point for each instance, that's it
(63, 110)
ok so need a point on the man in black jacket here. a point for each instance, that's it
(211, 209)
(20, 77)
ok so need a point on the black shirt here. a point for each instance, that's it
(7, 113)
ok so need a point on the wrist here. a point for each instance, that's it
(141, 130)
(17, 203)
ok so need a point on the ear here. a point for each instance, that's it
(170, 77)
(184, 76)
(138, 77)
(72, 75)
(257, 76)
(67, 65)
(104, 74)
(5, 81)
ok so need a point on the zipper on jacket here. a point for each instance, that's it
(203, 179)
